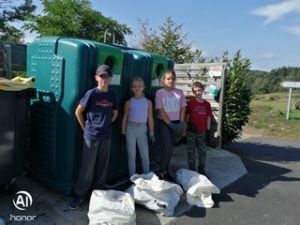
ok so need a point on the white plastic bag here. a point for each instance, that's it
(157, 195)
(199, 188)
(111, 208)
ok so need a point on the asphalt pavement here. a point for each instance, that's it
(51, 207)
(269, 194)
(258, 178)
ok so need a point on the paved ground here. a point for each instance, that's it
(268, 194)
(51, 207)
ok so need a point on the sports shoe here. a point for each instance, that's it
(169, 178)
(161, 176)
(76, 202)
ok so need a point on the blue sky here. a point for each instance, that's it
(267, 32)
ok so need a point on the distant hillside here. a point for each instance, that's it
(262, 82)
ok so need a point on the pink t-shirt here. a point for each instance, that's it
(170, 101)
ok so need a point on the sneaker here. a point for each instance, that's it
(168, 177)
(76, 202)
(177, 143)
(183, 140)
(161, 176)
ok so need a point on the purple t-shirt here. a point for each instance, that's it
(170, 101)
(98, 113)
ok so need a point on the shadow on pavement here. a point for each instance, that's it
(266, 152)
(258, 158)
(272, 174)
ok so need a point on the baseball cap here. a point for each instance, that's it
(103, 69)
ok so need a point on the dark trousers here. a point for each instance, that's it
(95, 158)
(168, 137)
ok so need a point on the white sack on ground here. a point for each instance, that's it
(111, 207)
(199, 188)
(157, 195)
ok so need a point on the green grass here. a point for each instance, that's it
(269, 116)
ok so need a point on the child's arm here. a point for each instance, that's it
(182, 114)
(187, 118)
(183, 105)
(209, 115)
(163, 115)
(160, 109)
(79, 115)
(125, 116)
(187, 113)
(114, 115)
(208, 123)
(150, 116)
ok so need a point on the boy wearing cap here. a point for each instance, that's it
(97, 110)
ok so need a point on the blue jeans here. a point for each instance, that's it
(136, 133)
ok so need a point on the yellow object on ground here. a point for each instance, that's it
(16, 84)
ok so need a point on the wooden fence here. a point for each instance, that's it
(212, 76)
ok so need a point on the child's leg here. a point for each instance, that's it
(191, 148)
(168, 138)
(201, 147)
(131, 147)
(142, 142)
(86, 173)
(181, 139)
(102, 163)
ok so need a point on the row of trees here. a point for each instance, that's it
(76, 18)
(262, 82)
(12, 14)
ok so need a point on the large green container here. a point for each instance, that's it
(64, 70)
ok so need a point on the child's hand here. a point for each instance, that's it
(176, 127)
(192, 127)
(173, 126)
(180, 126)
(123, 139)
(151, 138)
(207, 137)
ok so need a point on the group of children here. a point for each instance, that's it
(98, 109)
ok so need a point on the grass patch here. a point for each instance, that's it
(269, 116)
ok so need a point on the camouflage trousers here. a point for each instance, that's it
(196, 143)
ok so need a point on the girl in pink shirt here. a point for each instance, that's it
(170, 104)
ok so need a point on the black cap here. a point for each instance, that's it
(103, 69)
